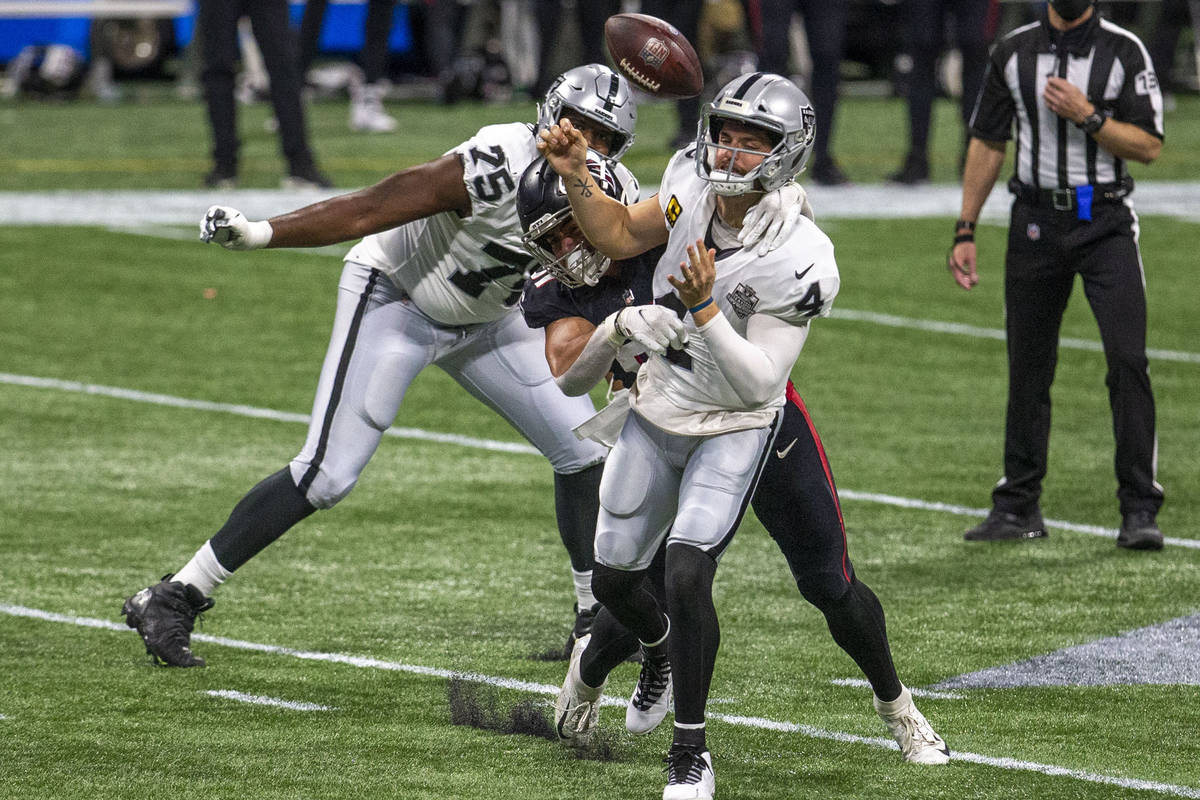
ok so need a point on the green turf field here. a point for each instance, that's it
(128, 430)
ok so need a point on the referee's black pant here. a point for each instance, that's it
(1046, 250)
(217, 21)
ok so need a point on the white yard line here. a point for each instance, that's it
(259, 700)
(504, 447)
(932, 694)
(546, 689)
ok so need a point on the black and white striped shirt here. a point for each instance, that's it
(1108, 63)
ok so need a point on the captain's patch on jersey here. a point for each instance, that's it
(743, 299)
(673, 210)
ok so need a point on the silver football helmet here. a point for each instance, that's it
(766, 101)
(544, 210)
(599, 94)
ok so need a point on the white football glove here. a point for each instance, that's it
(229, 228)
(769, 222)
(655, 328)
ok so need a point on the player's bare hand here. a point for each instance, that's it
(1066, 99)
(229, 228)
(564, 146)
(699, 273)
(961, 263)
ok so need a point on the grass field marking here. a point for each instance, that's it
(935, 326)
(967, 511)
(932, 694)
(260, 700)
(541, 688)
(504, 447)
(250, 411)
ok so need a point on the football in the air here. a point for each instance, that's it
(653, 55)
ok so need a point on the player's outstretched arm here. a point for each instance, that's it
(616, 230)
(407, 195)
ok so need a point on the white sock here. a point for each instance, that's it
(583, 589)
(893, 707)
(203, 571)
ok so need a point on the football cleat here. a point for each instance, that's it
(1001, 525)
(583, 626)
(689, 774)
(652, 695)
(577, 709)
(1139, 531)
(366, 111)
(164, 615)
(919, 743)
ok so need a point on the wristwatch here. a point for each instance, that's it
(1091, 123)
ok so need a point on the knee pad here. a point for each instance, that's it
(610, 585)
(325, 490)
(824, 589)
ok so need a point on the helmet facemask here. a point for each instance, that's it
(579, 266)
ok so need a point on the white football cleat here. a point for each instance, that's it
(366, 111)
(919, 743)
(652, 695)
(689, 774)
(577, 709)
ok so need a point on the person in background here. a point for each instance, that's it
(366, 100)
(1083, 97)
(217, 27)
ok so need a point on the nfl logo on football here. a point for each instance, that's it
(654, 52)
(743, 299)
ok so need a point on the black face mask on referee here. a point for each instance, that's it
(1070, 9)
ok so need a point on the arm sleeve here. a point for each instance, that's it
(595, 361)
(757, 366)
(994, 108)
(1140, 100)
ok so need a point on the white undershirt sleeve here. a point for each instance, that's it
(594, 361)
(757, 366)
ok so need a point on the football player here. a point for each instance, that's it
(435, 281)
(711, 419)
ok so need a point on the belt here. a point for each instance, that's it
(1064, 199)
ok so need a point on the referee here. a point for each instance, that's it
(1084, 99)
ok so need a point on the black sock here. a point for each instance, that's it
(262, 516)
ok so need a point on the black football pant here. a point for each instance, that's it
(217, 21)
(926, 25)
(825, 25)
(376, 30)
(1046, 250)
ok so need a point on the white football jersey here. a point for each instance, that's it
(685, 391)
(465, 271)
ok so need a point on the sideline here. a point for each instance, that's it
(761, 723)
(504, 447)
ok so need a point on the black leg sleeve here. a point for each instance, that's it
(610, 645)
(577, 504)
(262, 516)
(857, 623)
(628, 596)
(695, 632)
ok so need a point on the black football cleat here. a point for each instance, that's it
(1002, 526)
(164, 615)
(1139, 531)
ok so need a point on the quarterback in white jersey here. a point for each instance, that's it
(688, 392)
(704, 417)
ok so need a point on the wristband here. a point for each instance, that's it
(700, 306)
(962, 223)
(614, 334)
(964, 237)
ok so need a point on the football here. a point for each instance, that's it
(654, 55)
